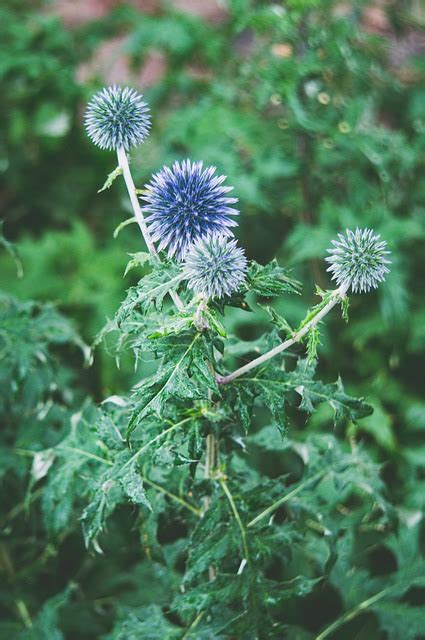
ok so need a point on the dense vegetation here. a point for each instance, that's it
(317, 116)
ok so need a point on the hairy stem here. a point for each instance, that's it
(336, 297)
(131, 188)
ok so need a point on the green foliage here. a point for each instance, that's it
(120, 520)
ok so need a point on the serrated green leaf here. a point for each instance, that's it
(110, 179)
(271, 280)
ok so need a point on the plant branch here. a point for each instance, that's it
(285, 498)
(354, 612)
(131, 188)
(246, 560)
(238, 519)
(194, 625)
(155, 439)
(336, 297)
(173, 496)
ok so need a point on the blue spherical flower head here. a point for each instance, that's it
(185, 203)
(215, 266)
(117, 117)
(358, 260)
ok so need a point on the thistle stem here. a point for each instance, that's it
(337, 296)
(131, 188)
(210, 464)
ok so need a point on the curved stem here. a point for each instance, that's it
(131, 188)
(337, 296)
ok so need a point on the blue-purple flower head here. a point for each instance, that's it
(117, 117)
(185, 203)
(215, 266)
(358, 260)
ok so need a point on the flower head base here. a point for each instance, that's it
(117, 117)
(215, 266)
(358, 260)
(185, 203)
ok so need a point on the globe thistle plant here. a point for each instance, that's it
(357, 260)
(215, 266)
(117, 118)
(185, 203)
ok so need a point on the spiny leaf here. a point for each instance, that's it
(138, 259)
(279, 321)
(118, 481)
(184, 374)
(273, 387)
(110, 179)
(271, 280)
(147, 622)
(313, 341)
(150, 291)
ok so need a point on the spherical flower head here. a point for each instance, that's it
(185, 203)
(117, 117)
(215, 266)
(357, 260)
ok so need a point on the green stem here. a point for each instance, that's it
(24, 614)
(251, 578)
(173, 496)
(194, 625)
(285, 498)
(87, 454)
(237, 517)
(131, 188)
(155, 439)
(353, 613)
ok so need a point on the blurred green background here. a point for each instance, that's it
(314, 109)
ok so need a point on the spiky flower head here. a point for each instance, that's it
(215, 266)
(117, 117)
(185, 203)
(357, 260)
